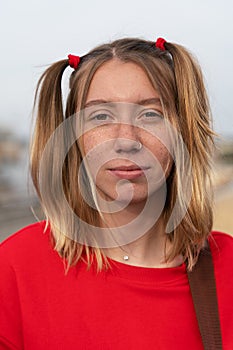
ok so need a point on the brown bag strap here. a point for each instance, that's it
(203, 290)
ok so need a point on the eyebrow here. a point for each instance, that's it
(148, 101)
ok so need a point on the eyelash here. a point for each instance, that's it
(152, 115)
(155, 114)
(100, 114)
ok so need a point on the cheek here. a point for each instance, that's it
(95, 150)
(93, 139)
(88, 143)
(165, 160)
(161, 155)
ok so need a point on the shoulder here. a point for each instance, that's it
(25, 241)
(23, 266)
(221, 240)
(221, 245)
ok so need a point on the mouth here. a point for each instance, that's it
(128, 172)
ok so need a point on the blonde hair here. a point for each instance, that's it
(177, 77)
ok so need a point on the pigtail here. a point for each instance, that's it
(48, 103)
(192, 101)
(194, 115)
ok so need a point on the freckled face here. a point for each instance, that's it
(124, 111)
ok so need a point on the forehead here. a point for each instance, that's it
(119, 81)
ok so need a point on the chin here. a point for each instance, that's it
(125, 198)
(131, 194)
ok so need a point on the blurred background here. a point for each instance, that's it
(35, 34)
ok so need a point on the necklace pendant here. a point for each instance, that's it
(126, 257)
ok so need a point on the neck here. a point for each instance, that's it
(149, 250)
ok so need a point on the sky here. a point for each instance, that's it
(37, 33)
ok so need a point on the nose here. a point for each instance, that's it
(127, 139)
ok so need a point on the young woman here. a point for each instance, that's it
(123, 176)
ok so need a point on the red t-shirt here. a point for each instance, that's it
(127, 307)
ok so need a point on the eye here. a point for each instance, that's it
(151, 115)
(101, 116)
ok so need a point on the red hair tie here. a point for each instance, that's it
(160, 44)
(74, 61)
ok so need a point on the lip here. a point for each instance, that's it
(129, 167)
(128, 172)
